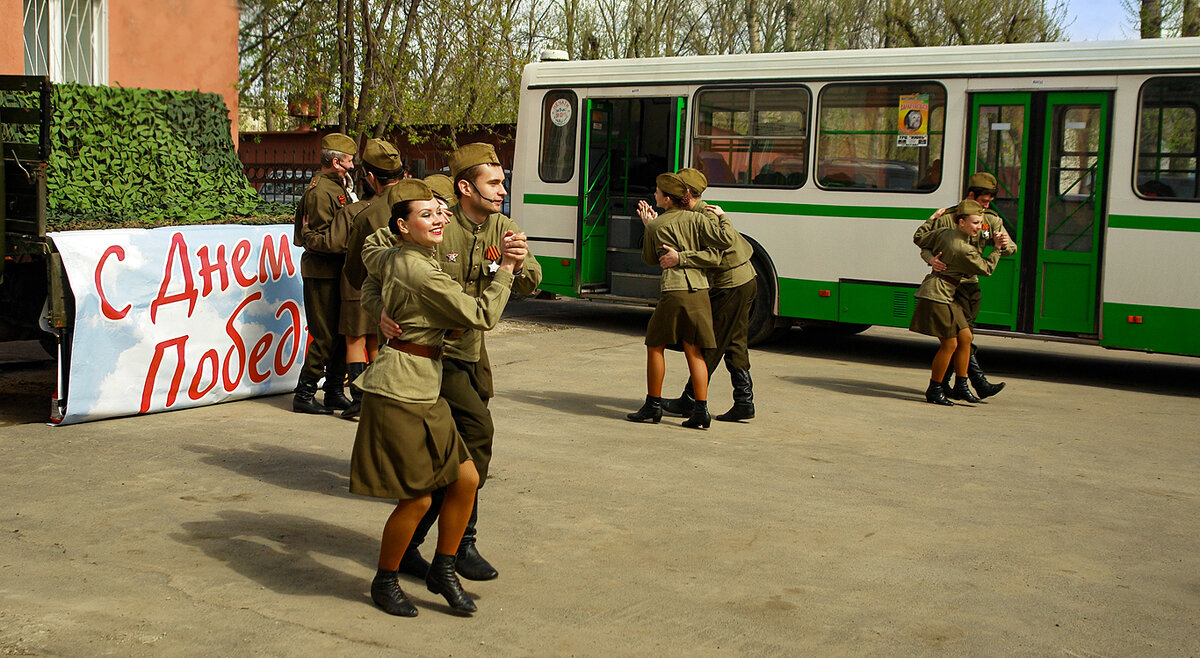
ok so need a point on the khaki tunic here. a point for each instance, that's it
(924, 234)
(365, 218)
(728, 268)
(962, 259)
(685, 230)
(321, 202)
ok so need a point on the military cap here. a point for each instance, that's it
(968, 207)
(982, 180)
(671, 185)
(442, 186)
(339, 142)
(409, 189)
(382, 155)
(695, 180)
(471, 155)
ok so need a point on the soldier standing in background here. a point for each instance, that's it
(321, 269)
(981, 188)
(733, 286)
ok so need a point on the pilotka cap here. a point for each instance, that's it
(696, 181)
(442, 186)
(968, 207)
(983, 181)
(671, 185)
(339, 142)
(471, 155)
(382, 155)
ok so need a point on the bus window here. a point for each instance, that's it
(1168, 143)
(885, 137)
(556, 163)
(752, 137)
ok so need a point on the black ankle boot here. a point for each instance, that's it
(743, 397)
(936, 394)
(651, 411)
(983, 387)
(354, 370)
(682, 405)
(468, 562)
(441, 580)
(699, 417)
(962, 391)
(386, 593)
(303, 401)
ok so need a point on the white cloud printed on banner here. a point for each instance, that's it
(179, 317)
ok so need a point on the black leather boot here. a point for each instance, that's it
(354, 370)
(303, 401)
(412, 563)
(962, 391)
(682, 405)
(983, 387)
(441, 580)
(469, 563)
(386, 593)
(936, 394)
(651, 411)
(335, 391)
(743, 397)
(699, 418)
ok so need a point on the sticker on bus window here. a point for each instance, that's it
(560, 112)
(914, 120)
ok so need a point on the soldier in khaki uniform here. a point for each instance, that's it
(939, 311)
(732, 289)
(407, 445)
(382, 168)
(981, 188)
(470, 253)
(321, 269)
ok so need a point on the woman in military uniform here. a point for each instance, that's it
(683, 314)
(407, 445)
(939, 313)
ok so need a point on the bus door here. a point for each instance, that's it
(1048, 153)
(627, 143)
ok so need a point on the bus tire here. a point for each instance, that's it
(764, 326)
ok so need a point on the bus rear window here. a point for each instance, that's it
(885, 137)
(752, 137)
(556, 162)
(1168, 142)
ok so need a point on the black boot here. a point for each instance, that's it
(682, 405)
(936, 394)
(386, 593)
(441, 580)
(335, 391)
(303, 401)
(469, 563)
(962, 391)
(743, 397)
(651, 410)
(412, 563)
(699, 417)
(983, 387)
(355, 371)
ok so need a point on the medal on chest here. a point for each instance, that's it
(451, 257)
(492, 253)
(987, 231)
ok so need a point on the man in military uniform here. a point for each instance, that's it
(321, 269)
(981, 188)
(382, 168)
(732, 288)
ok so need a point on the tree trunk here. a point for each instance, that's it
(1151, 17)
(1191, 19)
(790, 22)
(752, 26)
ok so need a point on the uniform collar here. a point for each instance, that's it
(466, 224)
(427, 252)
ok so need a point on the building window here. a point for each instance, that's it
(65, 39)
(1168, 139)
(752, 137)
(560, 116)
(881, 137)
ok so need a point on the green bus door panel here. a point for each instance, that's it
(1071, 208)
(595, 209)
(680, 120)
(999, 133)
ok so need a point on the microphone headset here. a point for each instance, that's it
(472, 183)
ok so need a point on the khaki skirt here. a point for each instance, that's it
(404, 449)
(938, 319)
(682, 317)
(353, 320)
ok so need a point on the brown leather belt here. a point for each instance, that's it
(416, 349)
(946, 277)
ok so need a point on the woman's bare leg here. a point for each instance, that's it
(698, 370)
(372, 347)
(962, 353)
(941, 360)
(356, 349)
(656, 370)
(456, 508)
(398, 531)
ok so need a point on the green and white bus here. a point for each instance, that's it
(822, 164)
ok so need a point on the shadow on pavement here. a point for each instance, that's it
(859, 387)
(576, 404)
(282, 467)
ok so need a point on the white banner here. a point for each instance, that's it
(179, 317)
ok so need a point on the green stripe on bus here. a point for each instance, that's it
(1147, 223)
(920, 213)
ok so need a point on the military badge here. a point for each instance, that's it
(451, 258)
(342, 199)
(492, 252)
(987, 231)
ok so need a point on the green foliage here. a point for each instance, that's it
(141, 157)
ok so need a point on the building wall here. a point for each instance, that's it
(12, 38)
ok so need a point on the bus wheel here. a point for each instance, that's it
(764, 326)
